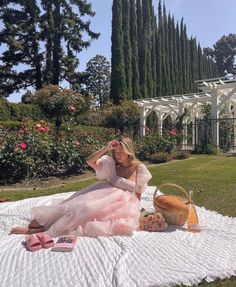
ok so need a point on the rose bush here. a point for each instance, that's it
(154, 143)
(35, 150)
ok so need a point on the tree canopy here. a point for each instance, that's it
(41, 40)
(98, 79)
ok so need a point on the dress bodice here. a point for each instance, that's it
(107, 171)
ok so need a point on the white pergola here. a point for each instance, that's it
(219, 92)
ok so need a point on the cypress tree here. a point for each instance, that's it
(159, 52)
(140, 40)
(127, 47)
(179, 54)
(118, 82)
(193, 62)
(143, 52)
(134, 50)
(158, 65)
(183, 54)
(199, 61)
(187, 62)
(164, 88)
(147, 48)
(166, 51)
(154, 52)
(175, 58)
(171, 55)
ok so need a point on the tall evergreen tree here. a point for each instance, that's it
(134, 50)
(171, 55)
(143, 50)
(154, 51)
(118, 82)
(158, 64)
(183, 54)
(199, 57)
(162, 72)
(147, 48)
(140, 47)
(127, 47)
(167, 53)
(175, 58)
(179, 55)
(193, 63)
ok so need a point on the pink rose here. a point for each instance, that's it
(41, 130)
(72, 109)
(173, 132)
(23, 145)
(150, 217)
(21, 132)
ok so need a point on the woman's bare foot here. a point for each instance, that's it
(26, 230)
(19, 230)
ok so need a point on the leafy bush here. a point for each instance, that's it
(125, 115)
(21, 111)
(180, 155)
(208, 149)
(4, 110)
(18, 112)
(154, 143)
(10, 125)
(92, 117)
(160, 157)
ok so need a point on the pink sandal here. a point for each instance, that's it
(32, 243)
(45, 239)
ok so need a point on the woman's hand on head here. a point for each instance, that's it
(113, 145)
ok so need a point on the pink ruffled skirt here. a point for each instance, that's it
(97, 210)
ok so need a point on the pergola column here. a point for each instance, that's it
(160, 122)
(215, 117)
(234, 124)
(181, 110)
(143, 122)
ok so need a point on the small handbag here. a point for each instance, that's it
(174, 208)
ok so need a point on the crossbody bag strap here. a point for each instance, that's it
(136, 179)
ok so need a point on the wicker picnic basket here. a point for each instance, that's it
(179, 213)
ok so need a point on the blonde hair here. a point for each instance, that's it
(128, 147)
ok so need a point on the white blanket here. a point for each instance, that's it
(146, 259)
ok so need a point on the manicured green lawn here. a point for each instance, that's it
(212, 178)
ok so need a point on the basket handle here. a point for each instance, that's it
(171, 185)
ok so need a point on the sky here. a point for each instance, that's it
(207, 20)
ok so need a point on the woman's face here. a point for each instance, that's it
(120, 155)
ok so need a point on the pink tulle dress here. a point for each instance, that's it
(108, 207)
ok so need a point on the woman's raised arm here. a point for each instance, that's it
(92, 159)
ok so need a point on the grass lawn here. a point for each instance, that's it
(212, 178)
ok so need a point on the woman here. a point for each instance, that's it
(108, 207)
